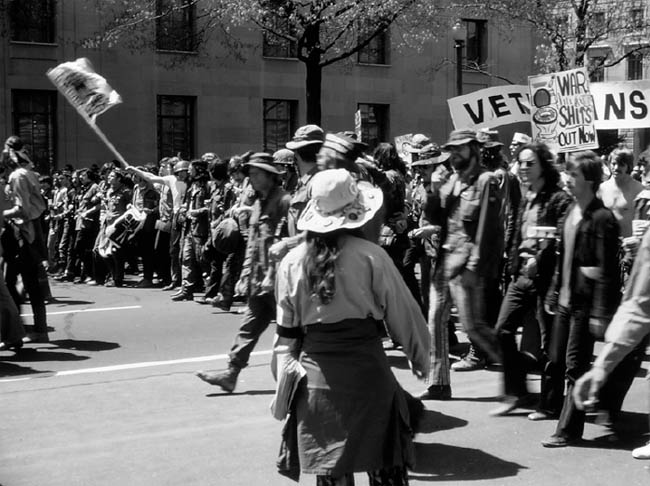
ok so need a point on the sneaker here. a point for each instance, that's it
(15, 346)
(469, 363)
(171, 286)
(556, 441)
(144, 283)
(219, 303)
(36, 337)
(182, 295)
(510, 404)
(541, 415)
(642, 452)
(436, 392)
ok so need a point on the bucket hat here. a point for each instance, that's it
(460, 137)
(338, 201)
(284, 157)
(263, 161)
(306, 135)
(417, 142)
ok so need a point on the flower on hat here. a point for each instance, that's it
(338, 201)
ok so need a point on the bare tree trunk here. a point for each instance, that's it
(313, 88)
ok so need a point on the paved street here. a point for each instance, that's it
(112, 400)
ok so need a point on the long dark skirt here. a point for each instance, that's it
(349, 414)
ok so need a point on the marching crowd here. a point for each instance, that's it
(499, 237)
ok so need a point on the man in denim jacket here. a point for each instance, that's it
(470, 206)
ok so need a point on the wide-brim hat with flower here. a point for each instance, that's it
(339, 202)
(430, 155)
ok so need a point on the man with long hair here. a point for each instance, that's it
(531, 262)
(267, 223)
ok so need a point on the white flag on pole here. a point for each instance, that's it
(86, 90)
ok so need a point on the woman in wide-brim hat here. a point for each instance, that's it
(335, 291)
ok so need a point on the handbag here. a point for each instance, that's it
(226, 237)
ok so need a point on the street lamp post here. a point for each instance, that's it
(459, 34)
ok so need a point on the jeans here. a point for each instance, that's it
(175, 244)
(217, 261)
(521, 297)
(469, 293)
(25, 260)
(552, 386)
(11, 326)
(162, 257)
(257, 317)
(439, 310)
(192, 262)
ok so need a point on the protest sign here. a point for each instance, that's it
(87, 92)
(402, 143)
(563, 112)
(83, 87)
(491, 107)
(622, 104)
(358, 124)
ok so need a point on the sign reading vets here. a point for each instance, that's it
(563, 111)
(491, 107)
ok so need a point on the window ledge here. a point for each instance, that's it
(372, 64)
(172, 51)
(280, 58)
(36, 44)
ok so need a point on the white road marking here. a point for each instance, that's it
(133, 366)
(101, 309)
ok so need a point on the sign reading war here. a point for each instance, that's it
(563, 111)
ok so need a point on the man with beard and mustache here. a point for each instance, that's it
(471, 206)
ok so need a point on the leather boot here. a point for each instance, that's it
(227, 380)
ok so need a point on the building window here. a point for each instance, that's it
(476, 43)
(374, 123)
(276, 45)
(32, 20)
(175, 25)
(596, 69)
(636, 18)
(376, 52)
(280, 123)
(598, 24)
(34, 116)
(635, 66)
(176, 126)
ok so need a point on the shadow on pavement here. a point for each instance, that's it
(80, 345)
(627, 432)
(10, 369)
(63, 301)
(238, 394)
(400, 362)
(433, 421)
(44, 354)
(440, 462)
(475, 399)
